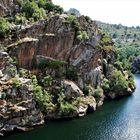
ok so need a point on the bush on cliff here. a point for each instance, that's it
(74, 22)
(106, 85)
(65, 107)
(16, 83)
(31, 10)
(82, 35)
(47, 80)
(4, 27)
(118, 82)
(43, 99)
(20, 18)
(71, 73)
(98, 93)
(50, 7)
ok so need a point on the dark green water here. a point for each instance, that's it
(115, 120)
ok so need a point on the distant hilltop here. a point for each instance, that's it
(74, 11)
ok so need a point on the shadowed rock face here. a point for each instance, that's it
(57, 39)
(136, 65)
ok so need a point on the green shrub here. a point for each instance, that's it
(16, 83)
(41, 3)
(47, 80)
(39, 14)
(61, 97)
(58, 9)
(34, 80)
(56, 63)
(50, 7)
(20, 18)
(24, 73)
(118, 82)
(131, 82)
(73, 21)
(71, 73)
(4, 28)
(98, 92)
(43, 98)
(31, 10)
(87, 18)
(109, 48)
(66, 108)
(106, 85)
(42, 64)
(82, 35)
(89, 90)
(51, 63)
(105, 39)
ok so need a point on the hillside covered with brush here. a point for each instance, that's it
(127, 42)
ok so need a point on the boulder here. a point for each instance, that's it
(86, 105)
(3, 59)
(71, 89)
(10, 71)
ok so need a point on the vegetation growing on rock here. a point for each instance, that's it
(70, 65)
(126, 41)
(4, 27)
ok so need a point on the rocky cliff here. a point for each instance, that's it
(59, 67)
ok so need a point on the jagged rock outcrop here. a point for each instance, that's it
(136, 65)
(18, 110)
(56, 39)
(70, 59)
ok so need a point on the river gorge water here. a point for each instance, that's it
(115, 120)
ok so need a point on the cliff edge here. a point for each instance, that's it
(60, 66)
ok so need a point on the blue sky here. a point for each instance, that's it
(126, 12)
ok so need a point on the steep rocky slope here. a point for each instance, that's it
(59, 67)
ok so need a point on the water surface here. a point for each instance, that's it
(115, 120)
